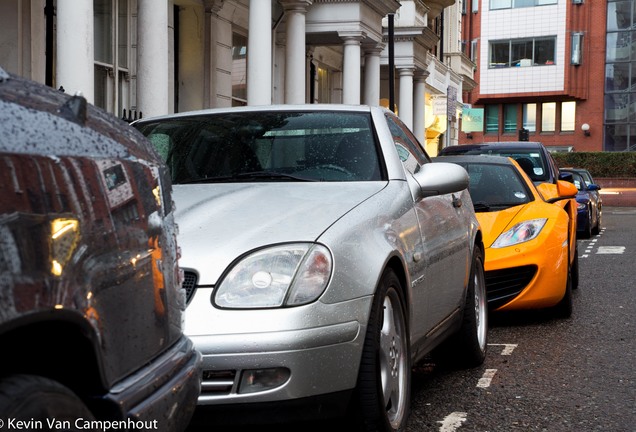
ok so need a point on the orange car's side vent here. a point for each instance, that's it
(504, 285)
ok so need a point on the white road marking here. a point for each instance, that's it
(486, 379)
(452, 421)
(611, 250)
(508, 348)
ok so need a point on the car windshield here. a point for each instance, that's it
(266, 146)
(531, 161)
(577, 179)
(495, 187)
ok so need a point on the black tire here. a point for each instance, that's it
(563, 309)
(597, 228)
(588, 230)
(467, 348)
(383, 393)
(574, 270)
(35, 398)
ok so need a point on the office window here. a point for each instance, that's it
(529, 117)
(576, 48)
(568, 114)
(548, 117)
(522, 52)
(510, 118)
(492, 118)
(474, 6)
(473, 50)
(617, 77)
(512, 4)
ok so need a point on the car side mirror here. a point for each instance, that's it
(566, 189)
(441, 178)
(566, 176)
(562, 190)
(593, 187)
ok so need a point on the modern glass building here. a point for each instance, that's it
(620, 77)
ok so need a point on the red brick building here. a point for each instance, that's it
(548, 66)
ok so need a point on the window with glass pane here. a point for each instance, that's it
(492, 118)
(619, 15)
(544, 50)
(510, 118)
(500, 4)
(616, 77)
(548, 116)
(122, 35)
(617, 137)
(524, 3)
(568, 114)
(473, 51)
(529, 117)
(618, 46)
(617, 107)
(239, 69)
(521, 50)
(102, 32)
(112, 20)
(500, 54)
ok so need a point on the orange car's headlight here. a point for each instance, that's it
(521, 232)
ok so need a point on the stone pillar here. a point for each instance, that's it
(152, 57)
(75, 70)
(351, 77)
(372, 75)
(419, 106)
(259, 53)
(295, 74)
(405, 100)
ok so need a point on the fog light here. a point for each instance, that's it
(256, 380)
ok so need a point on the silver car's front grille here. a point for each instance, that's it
(189, 284)
(217, 382)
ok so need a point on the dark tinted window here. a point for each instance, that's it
(267, 146)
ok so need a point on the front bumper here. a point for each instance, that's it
(164, 393)
(526, 276)
(318, 345)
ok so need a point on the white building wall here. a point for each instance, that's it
(519, 23)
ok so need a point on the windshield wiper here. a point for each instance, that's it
(256, 175)
(481, 206)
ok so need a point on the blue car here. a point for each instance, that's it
(589, 203)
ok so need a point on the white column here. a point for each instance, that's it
(152, 57)
(351, 68)
(405, 101)
(295, 11)
(419, 106)
(372, 76)
(74, 42)
(259, 53)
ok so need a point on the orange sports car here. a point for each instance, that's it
(527, 239)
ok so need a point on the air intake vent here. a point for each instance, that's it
(189, 284)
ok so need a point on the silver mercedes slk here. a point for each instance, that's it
(324, 255)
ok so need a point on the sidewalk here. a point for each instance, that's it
(618, 197)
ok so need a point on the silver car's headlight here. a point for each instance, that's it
(285, 275)
(521, 232)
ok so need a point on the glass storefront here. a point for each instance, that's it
(620, 77)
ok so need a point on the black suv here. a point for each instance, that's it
(92, 306)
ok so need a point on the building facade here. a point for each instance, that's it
(546, 70)
(137, 58)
